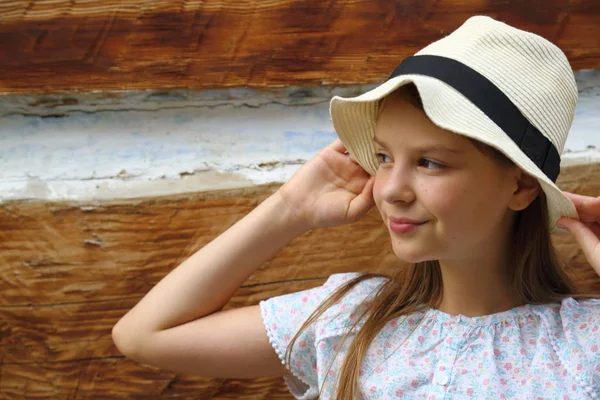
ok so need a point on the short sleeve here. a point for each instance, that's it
(283, 316)
(579, 342)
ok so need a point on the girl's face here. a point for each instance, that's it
(458, 195)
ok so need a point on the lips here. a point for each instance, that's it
(404, 221)
(402, 226)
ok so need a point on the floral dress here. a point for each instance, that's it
(549, 351)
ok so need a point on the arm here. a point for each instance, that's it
(178, 325)
(154, 330)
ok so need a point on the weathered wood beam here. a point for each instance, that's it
(52, 46)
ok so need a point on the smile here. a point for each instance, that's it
(404, 227)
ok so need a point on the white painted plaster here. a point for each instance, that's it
(96, 147)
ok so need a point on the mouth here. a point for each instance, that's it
(404, 225)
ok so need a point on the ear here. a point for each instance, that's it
(526, 190)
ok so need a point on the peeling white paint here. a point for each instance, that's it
(98, 147)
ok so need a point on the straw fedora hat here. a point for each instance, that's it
(505, 87)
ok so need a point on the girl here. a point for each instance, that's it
(459, 151)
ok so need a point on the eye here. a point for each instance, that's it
(382, 158)
(430, 164)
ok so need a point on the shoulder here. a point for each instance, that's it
(342, 315)
(573, 327)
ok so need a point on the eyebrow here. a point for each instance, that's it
(423, 149)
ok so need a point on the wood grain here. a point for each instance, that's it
(69, 271)
(64, 45)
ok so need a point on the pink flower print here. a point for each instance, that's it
(486, 381)
(335, 347)
(502, 396)
(373, 389)
(496, 352)
(508, 366)
(305, 299)
(543, 341)
(434, 332)
(579, 367)
(378, 370)
(394, 324)
(598, 367)
(442, 368)
(565, 397)
(564, 373)
(314, 366)
(379, 352)
(293, 311)
(464, 372)
(414, 383)
(298, 363)
(548, 384)
(523, 352)
(388, 344)
(576, 315)
(470, 392)
(421, 339)
(411, 363)
(274, 327)
(532, 341)
(302, 344)
(399, 393)
(583, 326)
(505, 339)
(594, 348)
(486, 354)
(517, 370)
(503, 381)
(322, 345)
(449, 340)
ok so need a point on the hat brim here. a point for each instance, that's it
(354, 122)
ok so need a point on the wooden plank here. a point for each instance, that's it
(61, 45)
(120, 378)
(53, 253)
(68, 272)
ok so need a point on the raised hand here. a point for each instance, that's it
(587, 230)
(330, 189)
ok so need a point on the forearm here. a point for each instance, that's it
(205, 282)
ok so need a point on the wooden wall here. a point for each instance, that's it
(68, 272)
(60, 45)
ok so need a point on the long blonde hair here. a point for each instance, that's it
(537, 278)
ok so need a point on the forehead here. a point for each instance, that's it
(400, 122)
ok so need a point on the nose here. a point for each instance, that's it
(397, 185)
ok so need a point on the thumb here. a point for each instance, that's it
(363, 202)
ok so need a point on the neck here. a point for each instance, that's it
(478, 285)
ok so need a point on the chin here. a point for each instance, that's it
(412, 255)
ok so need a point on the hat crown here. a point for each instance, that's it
(530, 70)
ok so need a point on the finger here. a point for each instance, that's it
(588, 241)
(588, 207)
(338, 146)
(363, 202)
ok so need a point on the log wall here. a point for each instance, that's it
(69, 271)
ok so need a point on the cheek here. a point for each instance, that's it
(465, 205)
